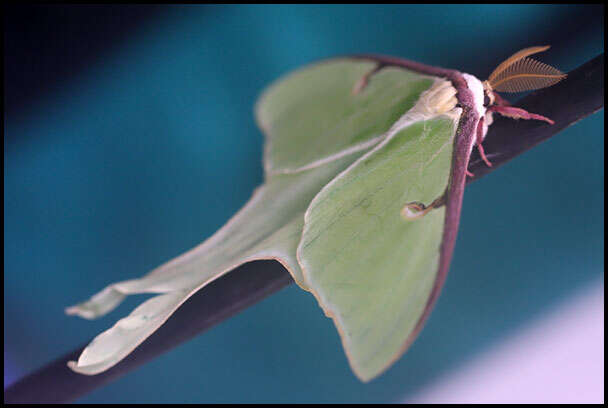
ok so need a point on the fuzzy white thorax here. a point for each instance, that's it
(439, 99)
(476, 88)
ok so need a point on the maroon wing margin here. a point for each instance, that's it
(465, 137)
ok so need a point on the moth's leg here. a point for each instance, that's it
(469, 174)
(478, 142)
(415, 209)
(518, 113)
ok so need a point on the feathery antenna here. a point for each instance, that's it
(520, 73)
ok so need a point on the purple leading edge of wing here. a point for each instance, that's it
(465, 137)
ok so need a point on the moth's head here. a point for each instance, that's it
(519, 73)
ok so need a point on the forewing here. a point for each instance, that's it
(373, 270)
(319, 112)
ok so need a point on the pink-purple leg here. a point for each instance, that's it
(483, 155)
(479, 140)
(518, 113)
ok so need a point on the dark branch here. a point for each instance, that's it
(580, 95)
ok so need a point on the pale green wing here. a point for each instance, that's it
(268, 227)
(371, 267)
(316, 127)
(322, 111)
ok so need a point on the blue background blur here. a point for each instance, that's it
(120, 155)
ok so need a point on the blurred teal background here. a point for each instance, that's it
(151, 147)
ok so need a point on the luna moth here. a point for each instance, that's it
(365, 164)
